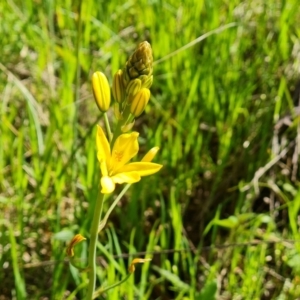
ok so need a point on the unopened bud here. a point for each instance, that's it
(101, 91)
(139, 102)
(133, 87)
(140, 62)
(118, 88)
(146, 81)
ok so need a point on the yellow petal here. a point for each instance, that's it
(126, 177)
(107, 184)
(103, 167)
(150, 154)
(142, 168)
(103, 147)
(125, 148)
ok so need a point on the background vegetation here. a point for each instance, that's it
(221, 219)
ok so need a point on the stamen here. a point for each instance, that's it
(118, 155)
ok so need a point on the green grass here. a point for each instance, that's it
(213, 111)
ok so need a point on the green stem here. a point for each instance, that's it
(117, 132)
(77, 90)
(102, 290)
(92, 247)
(76, 265)
(104, 220)
(120, 123)
(107, 127)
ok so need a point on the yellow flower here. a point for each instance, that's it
(114, 163)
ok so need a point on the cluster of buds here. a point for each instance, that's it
(130, 86)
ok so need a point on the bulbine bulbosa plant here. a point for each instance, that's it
(115, 148)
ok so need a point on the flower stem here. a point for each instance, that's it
(102, 290)
(92, 246)
(109, 133)
(120, 123)
(113, 205)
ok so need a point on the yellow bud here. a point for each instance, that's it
(75, 240)
(101, 91)
(118, 88)
(150, 154)
(139, 102)
(133, 87)
(146, 81)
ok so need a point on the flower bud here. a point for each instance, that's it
(133, 87)
(139, 102)
(118, 88)
(140, 62)
(101, 91)
(146, 81)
